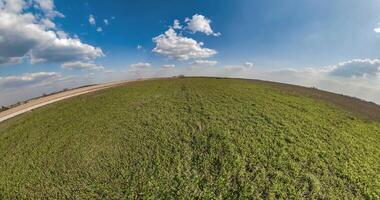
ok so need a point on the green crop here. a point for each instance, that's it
(190, 138)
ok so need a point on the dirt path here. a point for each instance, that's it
(39, 102)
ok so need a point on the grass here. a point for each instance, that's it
(190, 138)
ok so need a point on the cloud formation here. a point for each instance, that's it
(200, 23)
(48, 7)
(205, 62)
(140, 68)
(91, 20)
(106, 22)
(81, 66)
(177, 24)
(175, 46)
(141, 65)
(34, 37)
(357, 68)
(26, 79)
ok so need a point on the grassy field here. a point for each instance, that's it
(190, 138)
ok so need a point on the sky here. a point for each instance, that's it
(46, 45)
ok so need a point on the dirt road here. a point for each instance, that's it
(39, 102)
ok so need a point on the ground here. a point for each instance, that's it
(191, 138)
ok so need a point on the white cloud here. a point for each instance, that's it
(48, 23)
(248, 64)
(81, 65)
(12, 6)
(26, 79)
(141, 65)
(99, 29)
(200, 23)
(91, 20)
(356, 68)
(106, 22)
(139, 47)
(377, 30)
(24, 35)
(168, 66)
(179, 47)
(177, 24)
(139, 68)
(48, 7)
(246, 67)
(205, 62)
(64, 50)
(62, 35)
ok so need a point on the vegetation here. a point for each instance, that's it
(3, 108)
(190, 138)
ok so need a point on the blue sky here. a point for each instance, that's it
(332, 45)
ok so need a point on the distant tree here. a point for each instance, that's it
(4, 108)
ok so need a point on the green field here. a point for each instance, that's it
(190, 138)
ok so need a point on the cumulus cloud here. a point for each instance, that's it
(141, 65)
(12, 6)
(81, 65)
(139, 68)
(205, 62)
(34, 36)
(26, 79)
(139, 47)
(64, 50)
(357, 68)
(48, 23)
(91, 20)
(99, 29)
(200, 23)
(177, 24)
(175, 46)
(377, 30)
(48, 7)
